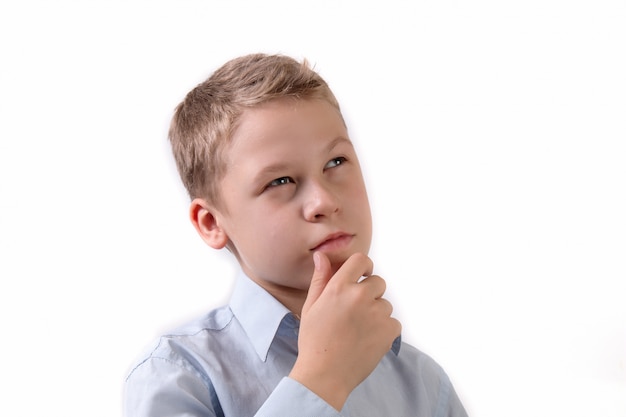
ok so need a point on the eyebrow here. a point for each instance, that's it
(260, 177)
(274, 168)
(282, 166)
(339, 139)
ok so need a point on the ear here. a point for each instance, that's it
(205, 219)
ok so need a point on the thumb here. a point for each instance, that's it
(321, 276)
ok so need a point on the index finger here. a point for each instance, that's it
(356, 266)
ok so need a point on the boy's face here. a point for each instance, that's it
(293, 186)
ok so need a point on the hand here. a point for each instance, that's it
(345, 329)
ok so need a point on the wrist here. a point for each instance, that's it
(326, 386)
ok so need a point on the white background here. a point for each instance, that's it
(493, 139)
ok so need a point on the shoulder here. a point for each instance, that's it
(424, 362)
(178, 347)
(435, 382)
(417, 368)
(214, 321)
(174, 374)
(424, 380)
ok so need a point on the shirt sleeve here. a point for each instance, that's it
(456, 407)
(160, 388)
(449, 404)
(290, 398)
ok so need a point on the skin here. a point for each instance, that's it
(296, 215)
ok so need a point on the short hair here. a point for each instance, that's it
(203, 123)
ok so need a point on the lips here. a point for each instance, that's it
(333, 241)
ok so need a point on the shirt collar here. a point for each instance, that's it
(260, 314)
(395, 346)
(258, 311)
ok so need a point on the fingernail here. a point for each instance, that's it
(316, 260)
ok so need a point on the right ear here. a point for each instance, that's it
(204, 218)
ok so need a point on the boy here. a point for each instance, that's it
(265, 155)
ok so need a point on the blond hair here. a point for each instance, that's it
(203, 123)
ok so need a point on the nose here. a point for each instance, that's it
(320, 201)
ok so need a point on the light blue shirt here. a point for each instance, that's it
(234, 362)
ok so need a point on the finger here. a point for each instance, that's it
(321, 275)
(356, 266)
(376, 286)
(396, 327)
(385, 307)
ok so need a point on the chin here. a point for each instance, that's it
(337, 260)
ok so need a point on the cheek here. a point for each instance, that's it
(361, 207)
(272, 227)
(359, 197)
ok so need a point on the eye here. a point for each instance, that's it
(280, 181)
(335, 162)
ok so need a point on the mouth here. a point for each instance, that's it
(333, 242)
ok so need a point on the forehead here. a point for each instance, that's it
(286, 123)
